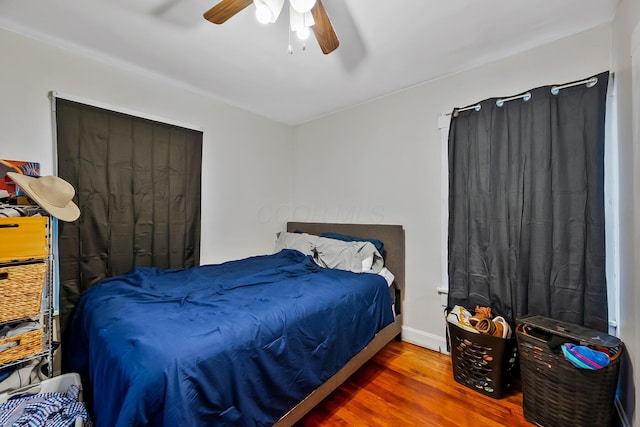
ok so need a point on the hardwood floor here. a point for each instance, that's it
(407, 385)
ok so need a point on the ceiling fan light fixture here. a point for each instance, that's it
(299, 20)
(302, 6)
(267, 11)
(303, 33)
(263, 14)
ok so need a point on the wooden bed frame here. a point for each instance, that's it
(393, 238)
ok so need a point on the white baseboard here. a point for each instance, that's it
(424, 339)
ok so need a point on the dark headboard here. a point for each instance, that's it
(391, 235)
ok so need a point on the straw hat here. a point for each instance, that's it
(52, 193)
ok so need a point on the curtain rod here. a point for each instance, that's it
(525, 97)
(476, 107)
(591, 82)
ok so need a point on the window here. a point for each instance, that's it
(137, 184)
(611, 207)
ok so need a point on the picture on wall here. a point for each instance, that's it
(19, 166)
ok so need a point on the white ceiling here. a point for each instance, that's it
(385, 46)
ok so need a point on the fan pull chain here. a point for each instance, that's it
(304, 23)
(290, 47)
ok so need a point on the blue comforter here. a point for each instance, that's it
(238, 343)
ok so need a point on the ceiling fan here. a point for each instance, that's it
(304, 15)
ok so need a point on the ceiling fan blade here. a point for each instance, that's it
(225, 10)
(323, 30)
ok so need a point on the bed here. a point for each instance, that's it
(256, 341)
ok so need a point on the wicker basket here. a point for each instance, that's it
(484, 363)
(21, 288)
(29, 343)
(556, 393)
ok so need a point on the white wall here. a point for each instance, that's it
(380, 162)
(627, 18)
(246, 158)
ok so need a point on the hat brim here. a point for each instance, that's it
(68, 213)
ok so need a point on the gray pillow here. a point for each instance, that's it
(357, 257)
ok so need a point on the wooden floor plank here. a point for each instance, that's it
(407, 385)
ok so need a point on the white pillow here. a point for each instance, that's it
(388, 276)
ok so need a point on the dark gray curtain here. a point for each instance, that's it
(526, 206)
(138, 188)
